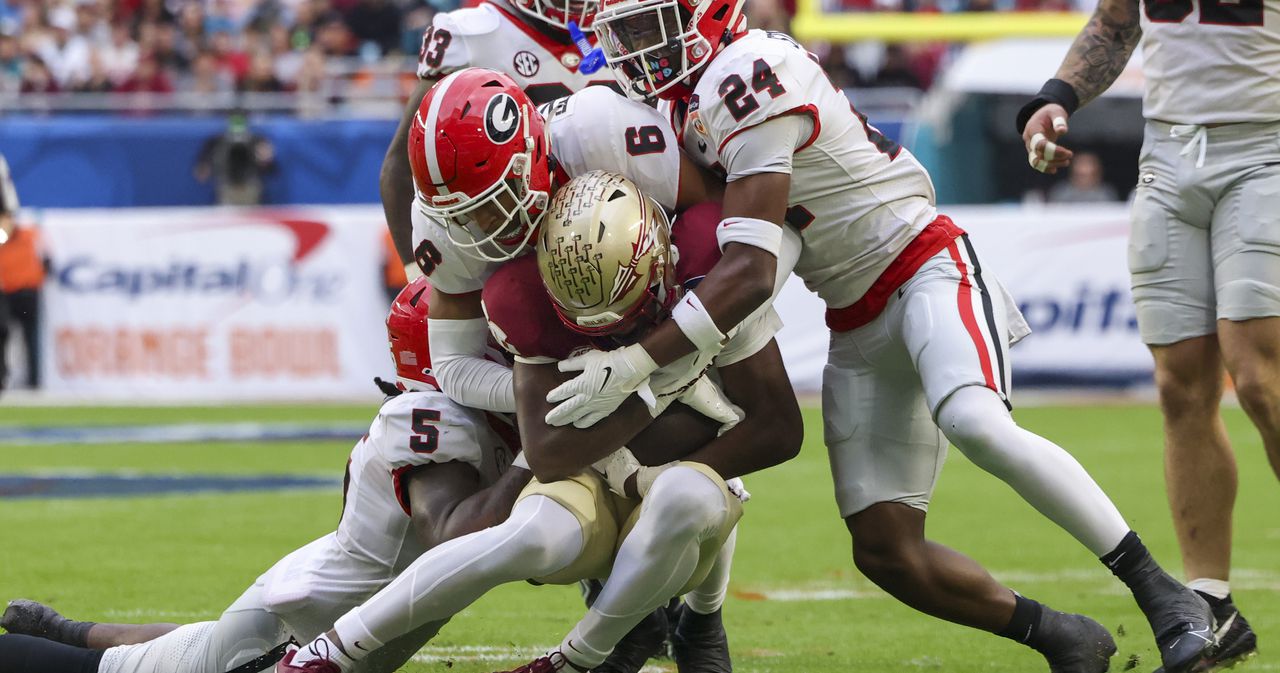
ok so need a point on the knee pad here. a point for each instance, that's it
(700, 506)
(599, 513)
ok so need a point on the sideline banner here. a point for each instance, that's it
(208, 303)
(1065, 266)
(226, 304)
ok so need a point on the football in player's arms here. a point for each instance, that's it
(567, 528)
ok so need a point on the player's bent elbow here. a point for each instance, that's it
(547, 465)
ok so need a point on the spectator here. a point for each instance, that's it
(236, 161)
(10, 63)
(36, 78)
(334, 38)
(169, 49)
(100, 81)
(120, 57)
(21, 275)
(64, 53)
(147, 78)
(1084, 183)
(207, 78)
(230, 58)
(261, 77)
(896, 70)
(376, 21)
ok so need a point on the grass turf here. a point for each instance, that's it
(797, 603)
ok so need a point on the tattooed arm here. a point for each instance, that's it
(1102, 49)
(1096, 59)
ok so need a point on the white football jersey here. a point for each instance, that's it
(857, 198)
(497, 36)
(594, 129)
(411, 429)
(1211, 61)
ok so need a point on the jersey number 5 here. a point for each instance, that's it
(1213, 12)
(734, 91)
(426, 437)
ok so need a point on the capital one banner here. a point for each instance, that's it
(209, 303)
(1066, 268)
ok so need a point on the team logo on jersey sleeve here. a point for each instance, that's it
(501, 118)
(526, 63)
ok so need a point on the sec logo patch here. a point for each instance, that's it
(526, 64)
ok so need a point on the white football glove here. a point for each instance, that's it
(706, 398)
(607, 379)
(619, 466)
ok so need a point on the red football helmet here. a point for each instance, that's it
(479, 154)
(407, 335)
(560, 12)
(655, 47)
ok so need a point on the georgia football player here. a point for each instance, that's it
(1203, 253)
(605, 250)
(429, 470)
(526, 39)
(485, 163)
(918, 326)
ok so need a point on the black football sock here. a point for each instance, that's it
(29, 654)
(1025, 623)
(1132, 563)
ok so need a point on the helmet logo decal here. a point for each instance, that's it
(501, 118)
(526, 63)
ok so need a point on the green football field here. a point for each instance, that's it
(797, 605)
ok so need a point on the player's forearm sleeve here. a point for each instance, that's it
(457, 359)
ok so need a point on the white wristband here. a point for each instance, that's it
(692, 319)
(762, 234)
(412, 271)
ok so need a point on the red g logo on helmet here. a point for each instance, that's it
(501, 119)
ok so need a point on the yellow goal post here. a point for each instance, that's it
(813, 23)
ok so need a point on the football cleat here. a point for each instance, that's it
(29, 618)
(553, 662)
(286, 664)
(699, 643)
(1183, 624)
(1235, 639)
(1074, 643)
(648, 639)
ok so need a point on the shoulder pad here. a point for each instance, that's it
(758, 77)
(423, 427)
(598, 128)
(471, 21)
(449, 269)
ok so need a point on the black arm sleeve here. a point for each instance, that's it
(29, 654)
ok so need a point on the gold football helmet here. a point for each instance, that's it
(605, 255)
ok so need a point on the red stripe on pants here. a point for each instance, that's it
(965, 299)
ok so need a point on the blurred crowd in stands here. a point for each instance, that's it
(221, 46)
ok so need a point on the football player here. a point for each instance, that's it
(606, 252)
(919, 328)
(428, 470)
(483, 173)
(527, 40)
(1204, 253)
